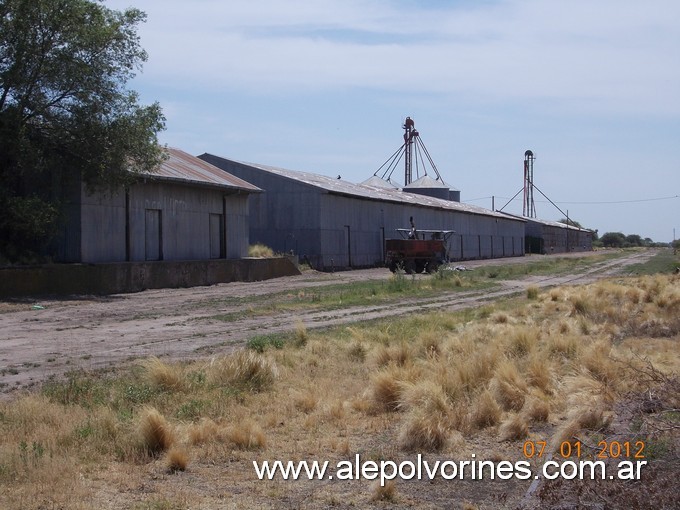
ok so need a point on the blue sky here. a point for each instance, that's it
(592, 87)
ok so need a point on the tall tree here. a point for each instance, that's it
(66, 115)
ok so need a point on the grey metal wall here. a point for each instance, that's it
(65, 247)
(102, 227)
(555, 239)
(181, 214)
(285, 216)
(237, 225)
(353, 231)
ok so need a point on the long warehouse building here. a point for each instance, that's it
(334, 223)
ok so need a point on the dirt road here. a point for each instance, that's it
(51, 337)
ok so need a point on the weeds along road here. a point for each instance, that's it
(94, 333)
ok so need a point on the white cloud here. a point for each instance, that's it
(615, 55)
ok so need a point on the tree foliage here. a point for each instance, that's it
(571, 222)
(66, 116)
(613, 239)
(619, 240)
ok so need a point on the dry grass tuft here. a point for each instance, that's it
(357, 351)
(386, 391)
(387, 492)
(564, 345)
(243, 368)
(336, 411)
(246, 435)
(539, 373)
(388, 384)
(162, 375)
(567, 432)
(486, 412)
(430, 345)
(424, 432)
(203, 432)
(537, 410)
(398, 355)
(476, 369)
(633, 295)
(260, 251)
(177, 459)
(301, 337)
(514, 428)
(155, 432)
(306, 402)
(425, 395)
(581, 305)
(500, 318)
(508, 387)
(556, 295)
(589, 418)
(522, 340)
(563, 328)
(532, 292)
(597, 361)
(592, 419)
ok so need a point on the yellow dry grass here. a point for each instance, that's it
(423, 431)
(509, 387)
(177, 459)
(163, 375)
(514, 428)
(386, 492)
(486, 412)
(260, 251)
(552, 369)
(156, 434)
(243, 369)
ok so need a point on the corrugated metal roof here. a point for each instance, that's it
(183, 167)
(550, 223)
(343, 187)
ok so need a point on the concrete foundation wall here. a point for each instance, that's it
(117, 278)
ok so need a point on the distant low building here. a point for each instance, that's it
(338, 224)
(547, 237)
(187, 210)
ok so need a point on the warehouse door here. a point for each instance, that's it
(216, 238)
(153, 238)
